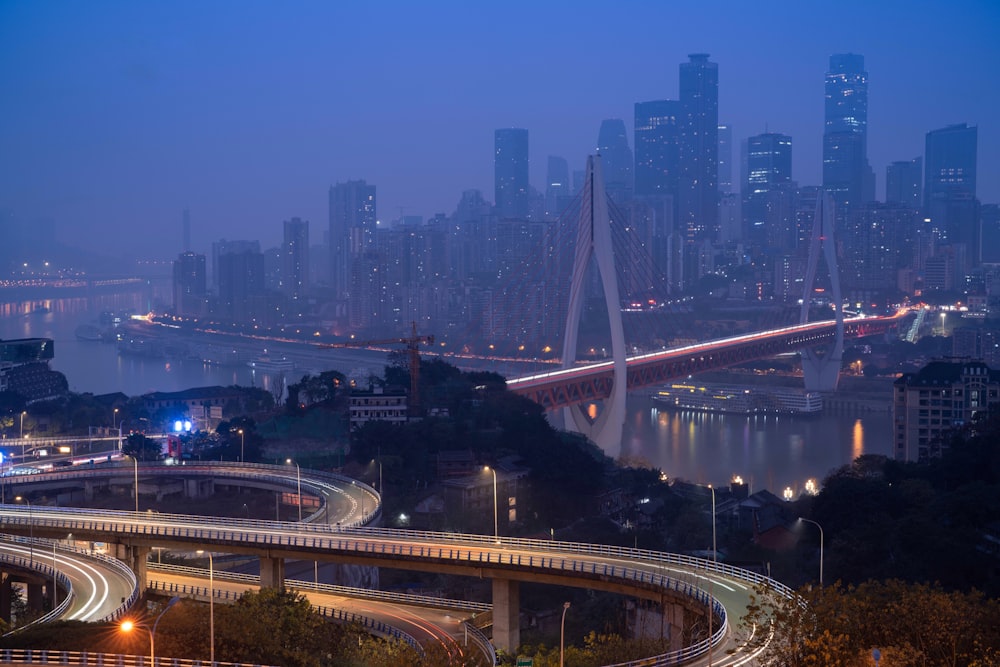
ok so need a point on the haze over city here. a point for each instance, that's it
(118, 116)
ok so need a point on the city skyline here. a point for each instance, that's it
(122, 117)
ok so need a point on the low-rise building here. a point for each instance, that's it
(378, 405)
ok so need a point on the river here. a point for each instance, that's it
(767, 452)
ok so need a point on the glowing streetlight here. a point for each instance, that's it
(241, 444)
(801, 518)
(562, 633)
(211, 605)
(22, 424)
(298, 479)
(496, 515)
(114, 420)
(128, 626)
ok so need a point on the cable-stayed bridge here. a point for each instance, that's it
(574, 385)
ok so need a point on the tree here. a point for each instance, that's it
(140, 447)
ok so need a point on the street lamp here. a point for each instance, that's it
(128, 626)
(711, 582)
(31, 530)
(802, 518)
(298, 479)
(241, 444)
(211, 606)
(135, 461)
(22, 423)
(496, 520)
(114, 420)
(562, 633)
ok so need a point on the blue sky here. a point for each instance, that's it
(118, 115)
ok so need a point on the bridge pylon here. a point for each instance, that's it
(593, 241)
(821, 366)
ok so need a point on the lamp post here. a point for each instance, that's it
(114, 420)
(31, 530)
(496, 515)
(128, 626)
(23, 412)
(241, 444)
(135, 461)
(711, 582)
(562, 633)
(211, 606)
(298, 480)
(802, 518)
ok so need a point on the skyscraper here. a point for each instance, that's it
(950, 155)
(240, 277)
(845, 134)
(950, 190)
(295, 258)
(903, 183)
(557, 186)
(189, 284)
(616, 159)
(352, 230)
(768, 192)
(657, 147)
(697, 207)
(725, 158)
(510, 173)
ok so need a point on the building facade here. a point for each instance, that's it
(510, 173)
(930, 405)
(845, 134)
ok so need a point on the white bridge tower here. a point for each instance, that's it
(821, 367)
(594, 242)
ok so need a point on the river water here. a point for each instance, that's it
(772, 452)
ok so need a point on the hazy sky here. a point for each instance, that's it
(115, 116)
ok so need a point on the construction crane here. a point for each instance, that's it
(412, 343)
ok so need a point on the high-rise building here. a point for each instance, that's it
(189, 284)
(240, 275)
(558, 189)
(950, 190)
(845, 135)
(657, 147)
(950, 162)
(224, 247)
(616, 159)
(352, 230)
(698, 200)
(510, 173)
(295, 258)
(725, 159)
(768, 192)
(903, 181)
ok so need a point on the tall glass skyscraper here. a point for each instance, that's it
(657, 147)
(698, 203)
(845, 135)
(352, 230)
(950, 162)
(768, 208)
(903, 183)
(295, 258)
(510, 173)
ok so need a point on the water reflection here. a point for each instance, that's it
(767, 451)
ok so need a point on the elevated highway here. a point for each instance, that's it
(683, 588)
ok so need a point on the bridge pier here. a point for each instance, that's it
(272, 573)
(136, 557)
(506, 615)
(6, 594)
(821, 372)
(196, 488)
(36, 597)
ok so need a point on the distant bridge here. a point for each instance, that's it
(594, 382)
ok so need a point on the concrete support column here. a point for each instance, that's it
(35, 596)
(137, 563)
(5, 598)
(88, 489)
(506, 615)
(272, 573)
(191, 488)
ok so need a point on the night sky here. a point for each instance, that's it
(115, 116)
